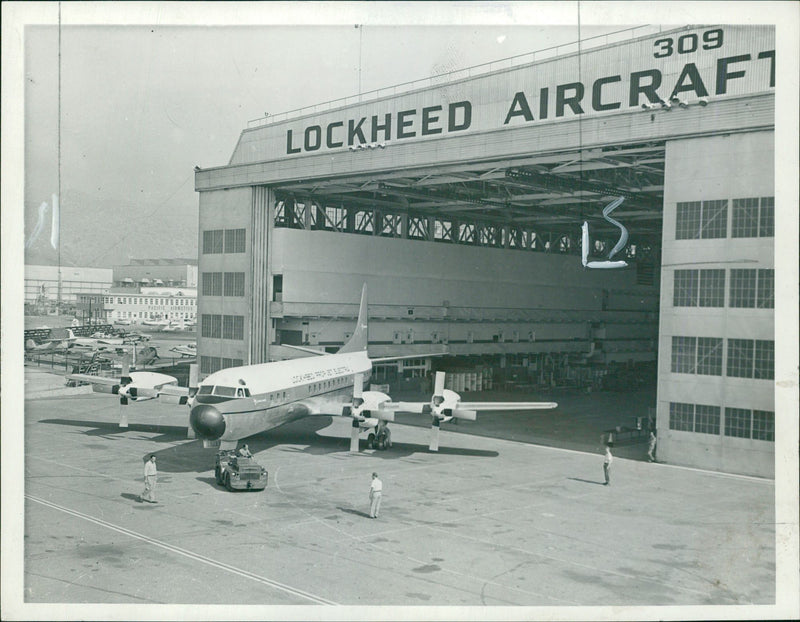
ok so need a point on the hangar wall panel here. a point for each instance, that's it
(220, 211)
(721, 168)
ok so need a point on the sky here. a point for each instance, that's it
(141, 105)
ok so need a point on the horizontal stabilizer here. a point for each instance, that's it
(386, 359)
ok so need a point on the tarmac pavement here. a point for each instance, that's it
(489, 520)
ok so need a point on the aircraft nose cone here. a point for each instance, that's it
(207, 422)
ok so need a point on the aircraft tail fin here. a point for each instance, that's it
(358, 341)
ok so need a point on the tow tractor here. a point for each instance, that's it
(239, 473)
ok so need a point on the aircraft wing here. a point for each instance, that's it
(425, 407)
(94, 380)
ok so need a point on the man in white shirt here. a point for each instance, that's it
(375, 493)
(607, 464)
(150, 480)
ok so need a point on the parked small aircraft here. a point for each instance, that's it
(188, 350)
(238, 402)
(96, 340)
(51, 345)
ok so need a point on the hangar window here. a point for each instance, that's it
(709, 356)
(684, 354)
(706, 419)
(753, 218)
(685, 288)
(211, 283)
(765, 289)
(711, 292)
(209, 364)
(234, 240)
(752, 289)
(226, 363)
(707, 219)
(234, 284)
(681, 416)
(211, 326)
(212, 242)
(714, 219)
(763, 425)
(740, 358)
(764, 361)
(737, 422)
(233, 327)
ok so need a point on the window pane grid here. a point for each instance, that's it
(706, 419)
(712, 288)
(709, 356)
(763, 425)
(766, 222)
(744, 218)
(234, 284)
(687, 222)
(764, 363)
(743, 288)
(684, 352)
(765, 298)
(234, 240)
(685, 290)
(737, 422)
(681, 416)
(715, 219)
(740, 358)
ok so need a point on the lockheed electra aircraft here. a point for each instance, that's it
(238, 402)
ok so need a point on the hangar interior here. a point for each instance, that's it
(462, 210)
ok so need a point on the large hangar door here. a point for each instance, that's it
(261, 238)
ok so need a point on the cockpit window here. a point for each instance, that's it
(225, 391)
(240, 392)
(206, 389)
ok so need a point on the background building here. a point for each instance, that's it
(42, 283)
(161, 272)
(460, 203)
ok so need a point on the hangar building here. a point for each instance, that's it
(459, 200)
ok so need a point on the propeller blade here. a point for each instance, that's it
(354, 437)
(438, 387)
(434, 444)
(358, 386)
(470, 415)
(123, 412)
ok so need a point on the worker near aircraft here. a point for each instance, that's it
(375, 494)
(244, 451)
(150, 480)
(607, 460)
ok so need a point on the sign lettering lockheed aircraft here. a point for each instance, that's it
(683, 65)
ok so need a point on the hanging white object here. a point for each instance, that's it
(621, 243)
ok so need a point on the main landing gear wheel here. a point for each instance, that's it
(228, 482)
(218, 476)
(371, 441)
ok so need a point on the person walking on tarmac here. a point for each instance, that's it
(375, 494)
(150, 480)
(608, 459)
(651, 448)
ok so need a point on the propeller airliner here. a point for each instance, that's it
(238, 402)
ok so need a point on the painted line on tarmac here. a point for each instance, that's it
(195, 556)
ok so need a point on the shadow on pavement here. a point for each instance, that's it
(353, 512)
(586, 481)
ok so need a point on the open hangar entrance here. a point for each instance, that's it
(535, 204)
(460, 204)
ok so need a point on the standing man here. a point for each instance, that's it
(651, 448)
(375, 493)
(150, 480)
(607, 464)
